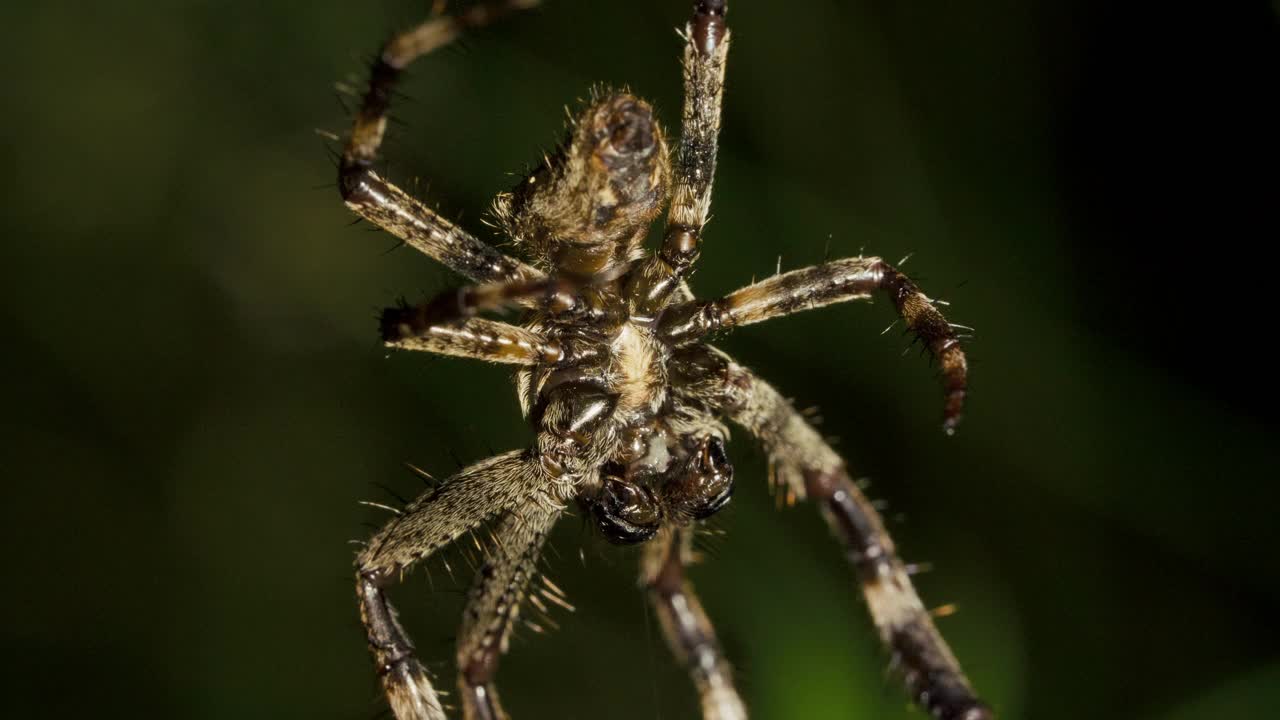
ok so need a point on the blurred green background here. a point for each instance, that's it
(195, 398)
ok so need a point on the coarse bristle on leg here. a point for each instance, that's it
(706, 50)
(494, 604)
(427, 524)
(857, 278)
(382, 203)
(686, 626)
(811, 469)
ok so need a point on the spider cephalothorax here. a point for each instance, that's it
(626, 398)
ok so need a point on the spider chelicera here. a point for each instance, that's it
(626, 398)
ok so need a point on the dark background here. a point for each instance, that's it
(195, 399)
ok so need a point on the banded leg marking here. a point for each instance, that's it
(430, 522)
(377, 200)
(811, 468)
(408, 328)
(494, 604)
(688, 630)
(694, 168)
(821, 285)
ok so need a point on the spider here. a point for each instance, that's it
(627, 400)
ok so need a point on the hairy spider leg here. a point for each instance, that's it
(449, 306)
(436, 518)
(494, 603)
(377, 200)
(688, 630)
(809, 466)
(655, 280)
(814, 287)
(410, 328)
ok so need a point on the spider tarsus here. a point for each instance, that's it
(936, 335)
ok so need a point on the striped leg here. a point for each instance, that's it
(821, 285)
(688, 630)
(407, 328)
(706, 49)
(494, 604)
(810, 468)
(450, 306)
(380, 202)
(424, 526)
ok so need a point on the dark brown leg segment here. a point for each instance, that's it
(494, 604)
(686, 626)
(404, 679)
(705, 52)
(814, 287)
(457, 304)
(810, 468)
(424, 526)
(380, 202)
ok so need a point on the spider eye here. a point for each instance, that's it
(625, 512)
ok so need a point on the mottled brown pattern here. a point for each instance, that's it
(626, 401)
